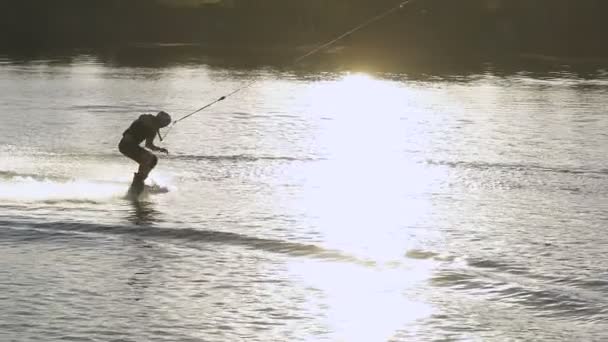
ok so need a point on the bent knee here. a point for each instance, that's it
(150, 161)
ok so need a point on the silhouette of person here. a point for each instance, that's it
(144, 128)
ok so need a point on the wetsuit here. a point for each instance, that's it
(140, 130)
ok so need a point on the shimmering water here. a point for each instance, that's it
(325, 205)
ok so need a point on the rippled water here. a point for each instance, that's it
(329, 205)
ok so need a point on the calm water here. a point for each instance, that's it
(329, 205)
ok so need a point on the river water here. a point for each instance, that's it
(315, 205)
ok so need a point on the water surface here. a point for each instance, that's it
(315, 205)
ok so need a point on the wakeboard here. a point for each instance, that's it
(139, 188)
(155, 189)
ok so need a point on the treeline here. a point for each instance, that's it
(553, 27)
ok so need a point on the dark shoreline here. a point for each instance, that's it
(421, 65)
(562, 28)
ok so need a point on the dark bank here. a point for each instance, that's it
(556, 28)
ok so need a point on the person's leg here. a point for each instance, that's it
(149, 161)
(132, 151)
(144, 158)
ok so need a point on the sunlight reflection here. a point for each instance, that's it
(364, 304)
(368, 197)
(368, 190)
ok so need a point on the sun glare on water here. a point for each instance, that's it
(363, 197)
(367, 179)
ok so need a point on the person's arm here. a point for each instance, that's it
(148, 120)
(150, 145)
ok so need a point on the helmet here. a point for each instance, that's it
(164, 118)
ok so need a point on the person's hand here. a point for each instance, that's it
(163, 150)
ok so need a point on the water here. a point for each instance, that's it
(316, 205)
